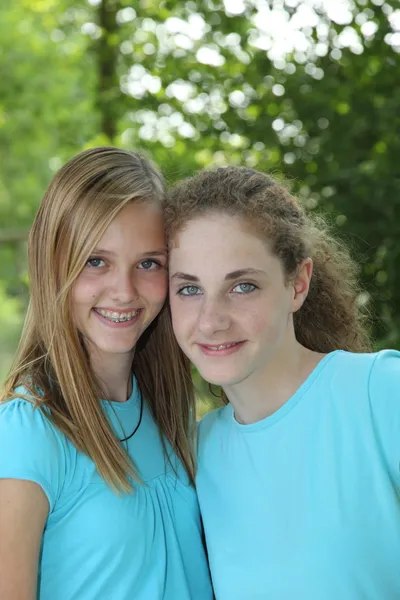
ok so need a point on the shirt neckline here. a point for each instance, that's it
(129, 403)
(279, 414)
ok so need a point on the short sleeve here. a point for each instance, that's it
(384, 394)
(31, 448)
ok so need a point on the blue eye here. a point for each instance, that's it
(148, 265)
(244, 288)
(95, 263)
(189, 290)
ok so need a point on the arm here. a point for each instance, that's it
(23, 511)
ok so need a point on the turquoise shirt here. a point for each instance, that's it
(97, 545)
(305, 504)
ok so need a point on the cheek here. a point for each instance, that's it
(256, 322)
(183, 315)
(156, 289)
(83, 292)
(174, 303)
(265, 317)
(83, 297)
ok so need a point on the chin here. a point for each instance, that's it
(125, 349)
(220, 379)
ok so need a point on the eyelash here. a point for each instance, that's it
(180, 291)
(156, 264)
(92, 259)
(253, 287)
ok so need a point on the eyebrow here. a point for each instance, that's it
(156, 253)
(159, 252)
(243, 272)
(228, 276)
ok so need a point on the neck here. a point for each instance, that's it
(267, 389)
(114, 375)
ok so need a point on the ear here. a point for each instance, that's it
(301, 283)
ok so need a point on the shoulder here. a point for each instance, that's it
(359, 362)
(377, 374)
(211, 424)
(385, 370)
(354, 372)
(384, 406)
(23, 417)
(31, 447)
(210, 420)
(21, 412)
(384, 383)
(375, 368)
(367, 385)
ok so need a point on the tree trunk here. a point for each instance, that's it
(108, 81)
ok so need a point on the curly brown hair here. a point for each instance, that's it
(330, 317)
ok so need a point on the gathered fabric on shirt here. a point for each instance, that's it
(305, 504)
(97, 544)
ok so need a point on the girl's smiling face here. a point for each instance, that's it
(124, 283)
(231, 303)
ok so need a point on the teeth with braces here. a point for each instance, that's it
(115, 317)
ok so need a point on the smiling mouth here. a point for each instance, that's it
(117, 317)
(220, 346)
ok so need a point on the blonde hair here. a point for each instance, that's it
(51, 362)
(330, 317)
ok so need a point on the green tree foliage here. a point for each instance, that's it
(282, 86)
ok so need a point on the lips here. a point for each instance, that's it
(221, 350)
(117, 316)
(220, 346)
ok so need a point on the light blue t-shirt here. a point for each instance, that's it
(305, 504)
(97, 545)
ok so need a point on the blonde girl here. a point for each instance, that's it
(96, 463)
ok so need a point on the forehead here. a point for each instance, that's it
(137, 220)
(219, 239)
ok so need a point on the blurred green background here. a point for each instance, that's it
(310, 89)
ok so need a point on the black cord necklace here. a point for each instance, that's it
(125, 439)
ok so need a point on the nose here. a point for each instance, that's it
(123, 289)
(213, 317)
